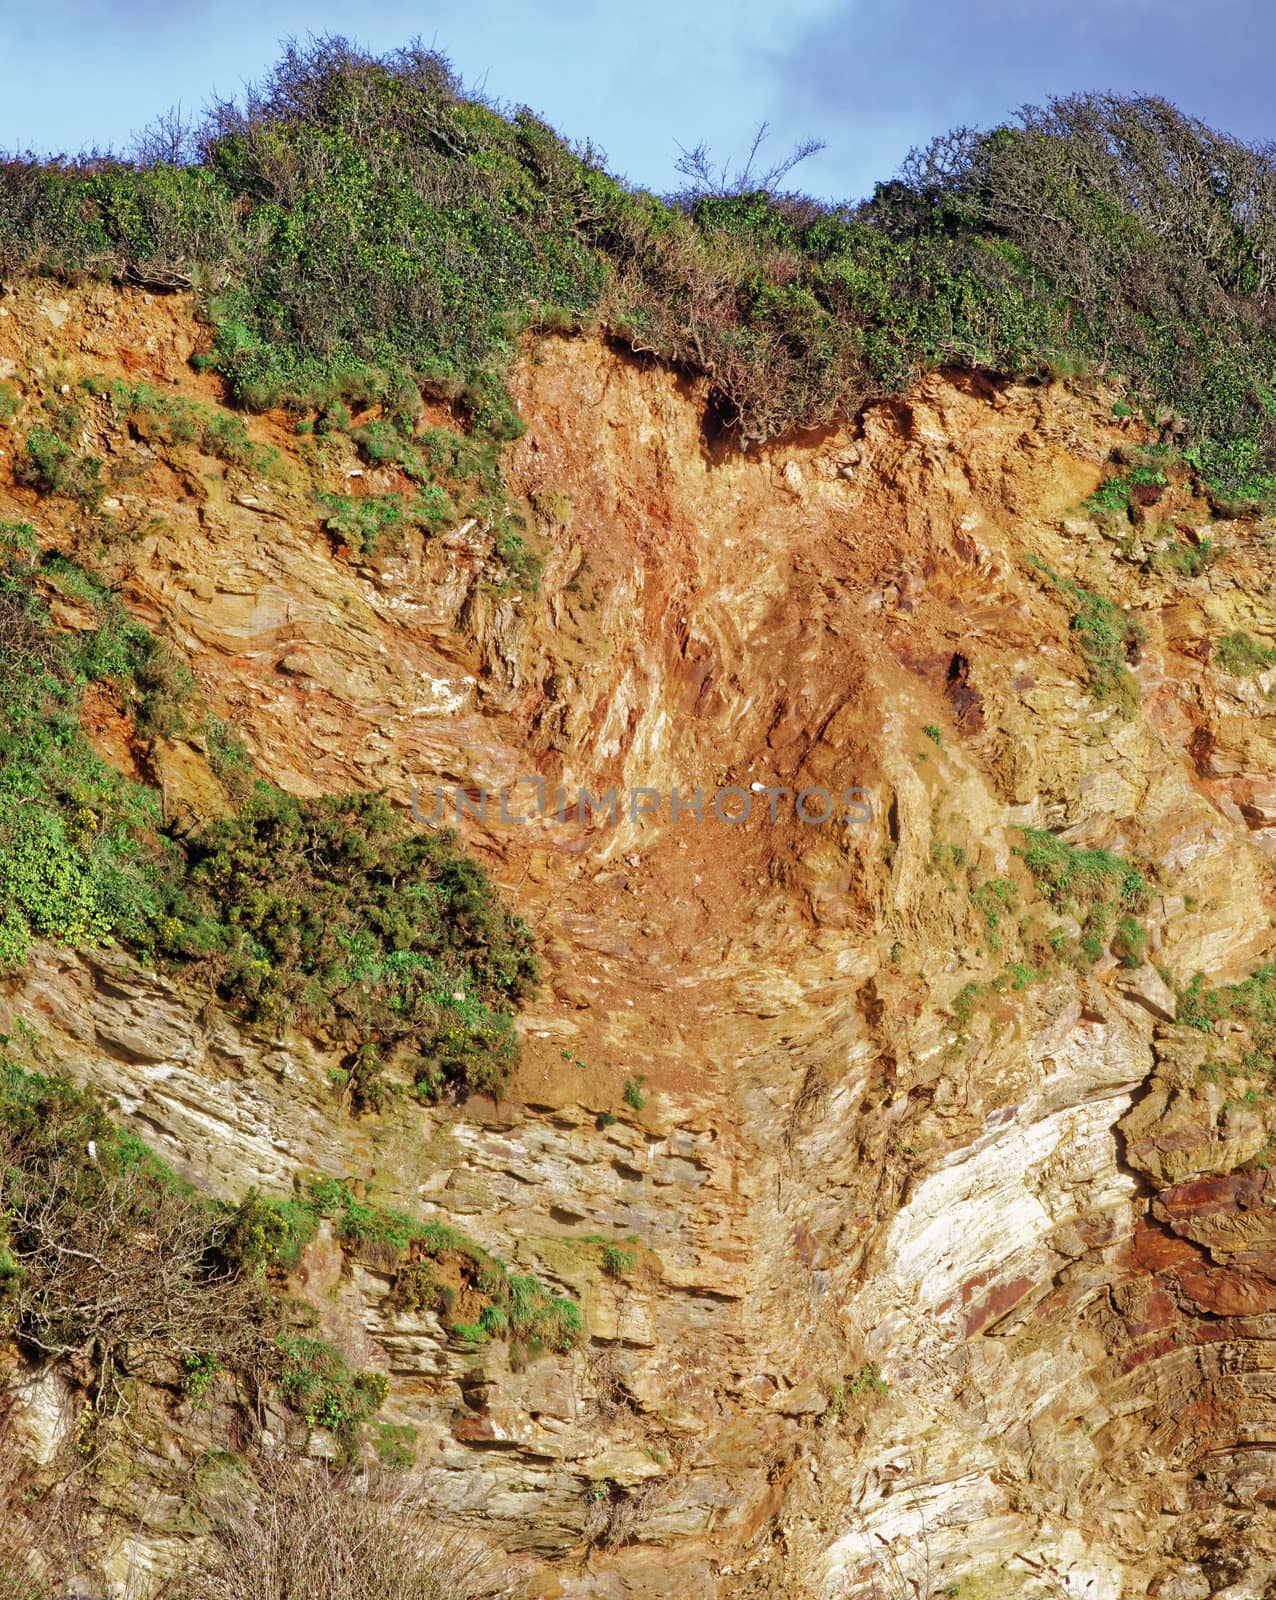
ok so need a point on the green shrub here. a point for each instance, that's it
(173, 420)
(1074, 878)
(632, 1094)
(82, 860)
(318, 1383)
(1172, 559)
(201, 1368)
(367, 521)
(1130, 942)
(965, 1001)
(517, 1306)
(333, 911)
(262, 1234)
(104, 1252)
(1115, 493)
(228, 755)
(868, 1380)
(109, 1253)
(993, 898)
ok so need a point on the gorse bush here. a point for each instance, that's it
(335, 912)
(359, 226)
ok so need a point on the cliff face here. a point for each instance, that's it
(949, 1264)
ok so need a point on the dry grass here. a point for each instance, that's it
(287, 1530)
(304, 1532)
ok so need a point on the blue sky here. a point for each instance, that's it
(871, 79)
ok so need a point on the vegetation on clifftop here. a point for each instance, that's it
(358, 227)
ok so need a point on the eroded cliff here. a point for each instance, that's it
(944, 1257)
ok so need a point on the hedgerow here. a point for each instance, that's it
(359, 228)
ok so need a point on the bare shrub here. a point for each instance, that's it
(615, 1514)
(287, 1530)
(50, 1545)
(748, 178)
(109, 1259)
(305, 1532)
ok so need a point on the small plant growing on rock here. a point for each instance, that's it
(617, 1262)
(48, 464)
(1104, 891)
(201, 1369)
(868, 1380)
(1243, 656)
(633, 1092)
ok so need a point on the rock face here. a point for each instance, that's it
(927, 1291)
